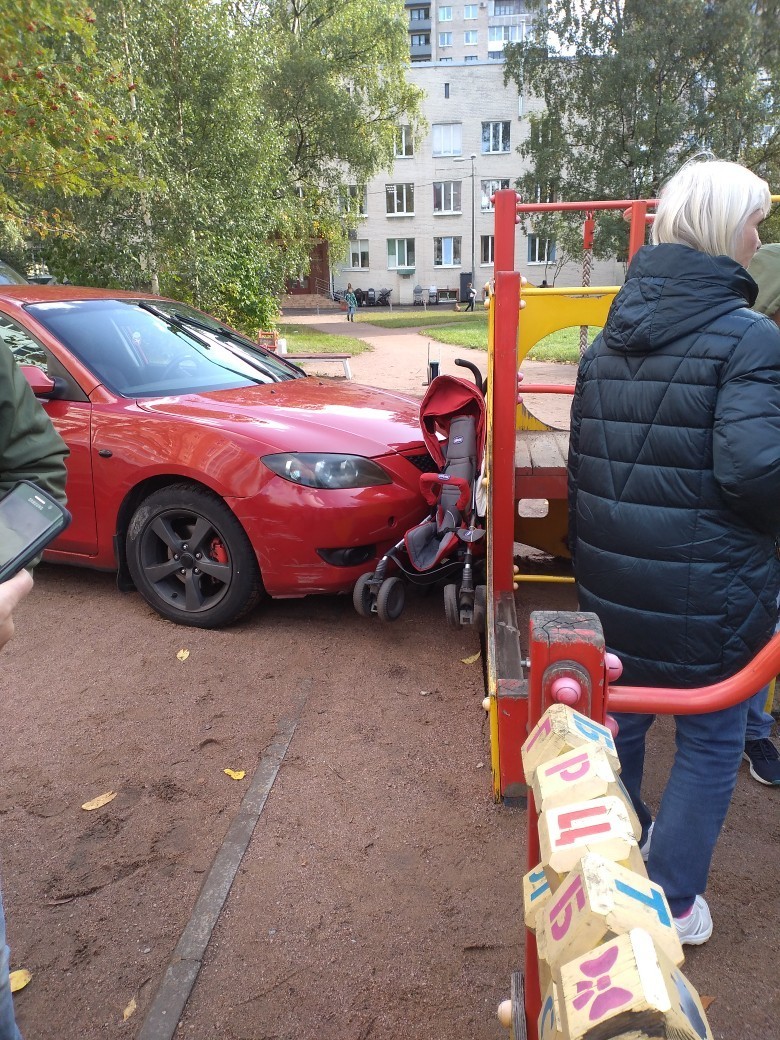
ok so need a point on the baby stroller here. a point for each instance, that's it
(445, 545)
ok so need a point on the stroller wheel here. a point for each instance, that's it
(391, 599)
(361, 595)
(451, 606)
(480, 607)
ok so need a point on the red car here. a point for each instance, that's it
(207, 470)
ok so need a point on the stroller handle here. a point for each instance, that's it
(474, 369)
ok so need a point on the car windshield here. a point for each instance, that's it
(10, 277)
(154, 348)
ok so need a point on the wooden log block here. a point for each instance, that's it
(599, 900)
(536, 895)
(549, 1024)
(600, 825)
(577, 776)
(628, 988)
(563, 729)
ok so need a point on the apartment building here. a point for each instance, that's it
(428, 225)
(458, 32)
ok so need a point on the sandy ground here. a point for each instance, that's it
(379, 895)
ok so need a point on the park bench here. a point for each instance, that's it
(342, 359)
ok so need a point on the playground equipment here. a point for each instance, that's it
(610, 973)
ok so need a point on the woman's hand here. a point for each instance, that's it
(12, 592)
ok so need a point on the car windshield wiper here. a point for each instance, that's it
(247, 348)
(183, 325)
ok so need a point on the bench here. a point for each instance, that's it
(269, 340)
(342, 359)
(448, 295)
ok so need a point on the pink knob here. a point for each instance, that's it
(614, 666)
(566, 690)
(611, 725)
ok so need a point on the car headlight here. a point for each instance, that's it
(327, 471)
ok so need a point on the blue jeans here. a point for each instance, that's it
(759, 721)
(695, 801)
(8, 1030)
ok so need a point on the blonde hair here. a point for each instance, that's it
(706, 205)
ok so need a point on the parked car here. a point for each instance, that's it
(8, 276)
(209, 471)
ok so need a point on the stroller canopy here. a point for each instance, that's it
(448, 397)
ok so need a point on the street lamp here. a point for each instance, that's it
(472, 157)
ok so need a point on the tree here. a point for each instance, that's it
(254, 124)
(631, 89)
(58, 127)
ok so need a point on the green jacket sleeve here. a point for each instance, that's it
(30, 447)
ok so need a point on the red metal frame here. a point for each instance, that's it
(561, 645)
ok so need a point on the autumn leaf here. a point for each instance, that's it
(19, 979)
(235, 774)
(183, 655)
(100, 801)
(129, 1010)
(473, 659)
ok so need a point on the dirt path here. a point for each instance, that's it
(380, 892)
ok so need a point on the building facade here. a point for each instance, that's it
(427, 226)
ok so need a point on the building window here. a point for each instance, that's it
(445, 14)
(445, 61)
(420, 14)
(470, 11)
(445, 39)
(503, 7)
(400, 253)
(489, 188)
(471, 57)
(446, 252)
(404, 145)
(541, 250)
(446, 90)
(400, 199)
(498, 35)
(446, 138)
(471, 37)
(356, 200)
(495, 137)
(487, 249)
(421, 39)
(446, 197)
(358, 254)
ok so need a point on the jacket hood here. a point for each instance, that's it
(765, 269)
(670, 291)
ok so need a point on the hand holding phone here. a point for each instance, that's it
(12, 592)
(29, 520)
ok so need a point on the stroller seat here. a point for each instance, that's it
(451, 493)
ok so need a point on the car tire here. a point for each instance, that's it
(452, 606)
(391, 599)
(191, 559)
(361, 595)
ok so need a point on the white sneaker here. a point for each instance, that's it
(645, 847)
(695, 927)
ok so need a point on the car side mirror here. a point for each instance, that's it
(41, 384)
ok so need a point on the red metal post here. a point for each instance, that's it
(503, 391)
(636, 234)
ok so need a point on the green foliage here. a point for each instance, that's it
(632, 89)
(252, 120)
(58, 127)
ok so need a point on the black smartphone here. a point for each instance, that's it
(29, 520)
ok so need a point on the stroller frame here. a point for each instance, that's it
(441, 547)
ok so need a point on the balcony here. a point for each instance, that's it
(420, 53)
(419, 25)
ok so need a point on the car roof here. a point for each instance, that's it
(58, 293)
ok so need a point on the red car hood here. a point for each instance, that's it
(304, 415)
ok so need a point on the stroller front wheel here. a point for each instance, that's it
(452, 606)
(362, 598)
(391, 599)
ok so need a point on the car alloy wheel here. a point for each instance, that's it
(190, 558)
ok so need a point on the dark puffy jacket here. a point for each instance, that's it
(674, 470)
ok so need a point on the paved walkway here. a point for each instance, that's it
(399, 358)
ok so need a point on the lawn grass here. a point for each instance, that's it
(563, 346)
(302, 339)
(426, 317)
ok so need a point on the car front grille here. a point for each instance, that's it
(423, 462)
